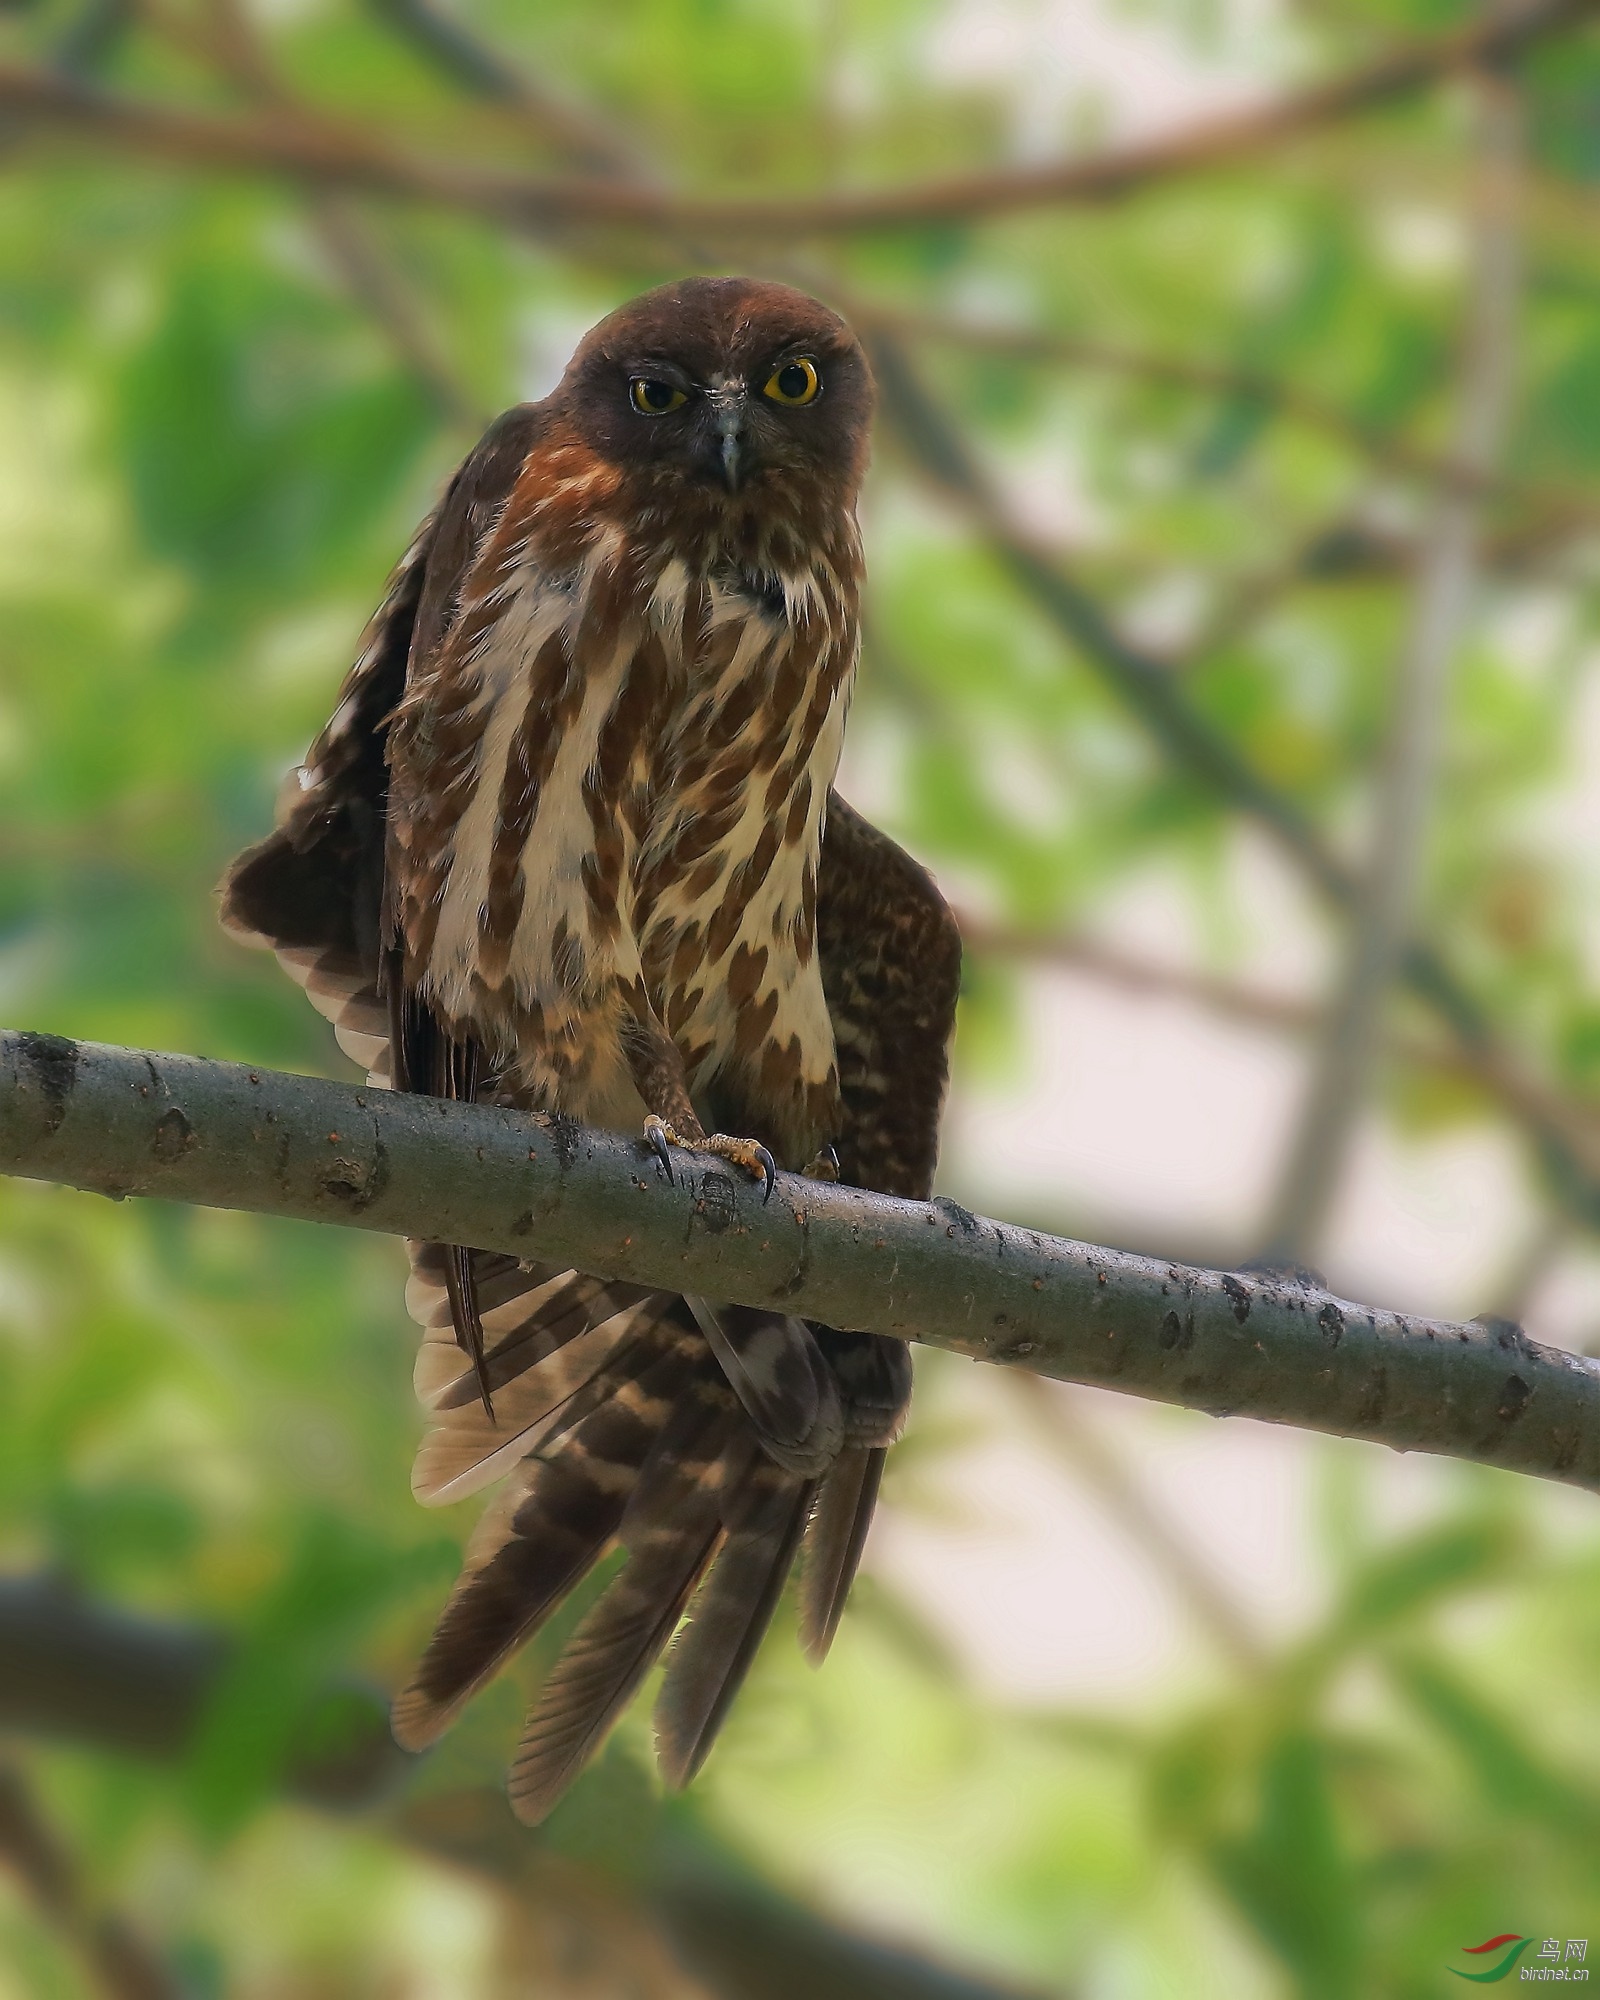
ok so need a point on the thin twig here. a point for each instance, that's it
(587, 142)
(941, 453)
(1351, 549)
(226, 36)
(1384, 911)
(1285, 1013)
(1273, 392)
(375, 282)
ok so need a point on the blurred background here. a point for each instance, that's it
(1232, 659)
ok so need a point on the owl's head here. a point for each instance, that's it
(746, 390)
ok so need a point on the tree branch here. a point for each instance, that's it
(587, 141)
(114, 1952)
(1261, 1344)
(1276, 393)
(84, 1671)
(226, 36)
(343, 155)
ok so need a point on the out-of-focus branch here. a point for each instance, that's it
(91, 37)
(113, 1952)
(377, 285)
(1072, 1436)
(1531, 1101)
(1383, 913)
(588, 142)
(225, 35)
(1253, 1006)
(95, 1675)
(1352, 548)
(941, 453)
(1274, 392)
(343, 155)
(1145, 685)
(123, 1122)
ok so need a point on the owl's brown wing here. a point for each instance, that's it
(890, 956)
(314, 890)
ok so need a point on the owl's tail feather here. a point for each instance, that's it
(834, 1541)
(548, 1333)
(670, 1529)
(558, 1517)
(874, 1376)
(762, 1520)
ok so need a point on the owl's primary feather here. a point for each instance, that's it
(570, 843)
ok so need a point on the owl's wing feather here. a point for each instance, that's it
(316, 882)
(314, 889)
(890, 955)
(311, 890)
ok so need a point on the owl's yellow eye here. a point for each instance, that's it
(794, 383)
(652, 398)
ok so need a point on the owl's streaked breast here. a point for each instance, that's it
(623, 759)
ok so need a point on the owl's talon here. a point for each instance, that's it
(659, 1136)
(825, 1167)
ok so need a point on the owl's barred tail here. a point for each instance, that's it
(670, 1529)
(834, 1541)
(621, 1431)
(558, 1517)
(762, 1521)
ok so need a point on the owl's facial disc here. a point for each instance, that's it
(750, 396)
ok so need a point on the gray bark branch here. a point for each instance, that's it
(1249, 1343)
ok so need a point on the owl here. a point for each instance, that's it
(570, 843)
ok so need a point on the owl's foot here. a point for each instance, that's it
(747, 1153)
(825, 1167)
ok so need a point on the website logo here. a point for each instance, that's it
(1550, 1961)
(1502, 1968)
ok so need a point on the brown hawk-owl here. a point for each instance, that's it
(569, 843)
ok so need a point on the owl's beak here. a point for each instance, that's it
(730, 428)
